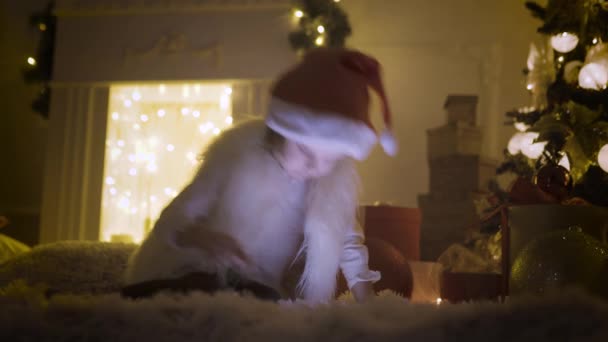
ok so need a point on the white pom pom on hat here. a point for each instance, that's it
(324, 101)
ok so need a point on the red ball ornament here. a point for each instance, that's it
(555, 180)
(396, 272)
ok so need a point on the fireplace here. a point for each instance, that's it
(140, 88)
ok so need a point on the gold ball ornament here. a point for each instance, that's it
(559, 259)
(395, 270)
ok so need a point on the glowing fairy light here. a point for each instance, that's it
(123, 203)
(136, 96)
(224, 102)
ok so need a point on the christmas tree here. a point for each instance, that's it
(563, 135)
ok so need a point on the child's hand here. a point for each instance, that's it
(363, 291)
(219, 246)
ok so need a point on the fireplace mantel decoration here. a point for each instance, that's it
(177, 44)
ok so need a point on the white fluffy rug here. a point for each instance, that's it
(84, 268)
(225, 317)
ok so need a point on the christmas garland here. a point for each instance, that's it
(39, 67)
(320, 23)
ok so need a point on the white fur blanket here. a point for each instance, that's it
(225, 317)
(27, 315)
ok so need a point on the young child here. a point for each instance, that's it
(273, 193)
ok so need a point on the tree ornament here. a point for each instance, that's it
(554, 180)
(396, 273)
(572, 70)
(594, 74)
(529, 147)
(559, 259)
(602, 158)
(565, 162)
(564, 42)
(514, 146)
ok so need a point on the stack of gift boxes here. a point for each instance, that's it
(457, 172)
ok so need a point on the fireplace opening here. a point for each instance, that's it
(155, 136)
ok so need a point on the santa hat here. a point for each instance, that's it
(324, 102)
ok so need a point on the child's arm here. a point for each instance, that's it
(189, 207)
(354, 265)
(182, 223)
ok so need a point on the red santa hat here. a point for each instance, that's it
(324, 102)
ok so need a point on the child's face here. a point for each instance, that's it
(303, 162)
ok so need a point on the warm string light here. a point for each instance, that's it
(150, 128)
(320, 29)
(564, 42)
